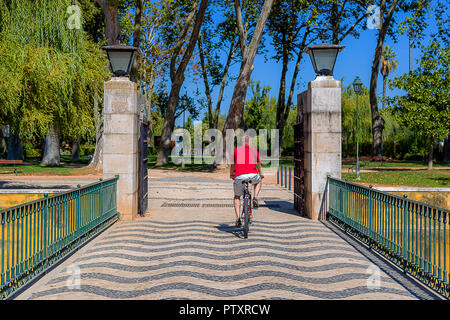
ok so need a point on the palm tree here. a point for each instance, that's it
(388, 64)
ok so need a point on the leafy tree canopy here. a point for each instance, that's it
(50, 72)
(426, 106)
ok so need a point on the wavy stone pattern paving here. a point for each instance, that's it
(195, 253)
(159, 260)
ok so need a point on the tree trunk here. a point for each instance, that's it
(177, 82)
(234, 117)
(137, 23)
(169, 120)
(97, 159)
(76, 150)
(51, 155)
(181, 40)
(148, 105)
(223, 84)
(134, 76)
(112, 25)
(285, 108)
(335, 22)
(3, 146)
(377, 120)
(112, 32)
(447, 150)
(15, 148)
(205, 82)
(243, 80)
(430, 153)
(384, 93)
(282, 108)
(285, 115)
(294, 76)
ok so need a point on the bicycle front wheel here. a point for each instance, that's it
(246, 216)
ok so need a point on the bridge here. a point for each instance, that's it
(358, 243)
(188, 248)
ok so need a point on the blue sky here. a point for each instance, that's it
(354, 60)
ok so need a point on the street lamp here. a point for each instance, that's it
(184, 104)
(323, 57)
(120, 58)
(357, 85)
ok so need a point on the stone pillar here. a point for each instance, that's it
(120, 139)
(322, 132)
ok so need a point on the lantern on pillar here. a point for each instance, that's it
(323, 57)
(120, 58)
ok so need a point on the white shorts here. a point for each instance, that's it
(239, 186)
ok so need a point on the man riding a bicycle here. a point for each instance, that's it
(246, 166)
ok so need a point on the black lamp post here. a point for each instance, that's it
(357, 85)
(120, 58)
(323, 57)
(184, 104)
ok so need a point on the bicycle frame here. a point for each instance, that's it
(246, 209)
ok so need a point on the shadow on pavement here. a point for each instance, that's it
(237, 232)
(281, 206)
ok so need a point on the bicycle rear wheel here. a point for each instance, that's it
(246, 217)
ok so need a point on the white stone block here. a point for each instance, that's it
(322, 142)
(325, 122)
(120, 163)
(121, 124)
(120, 143)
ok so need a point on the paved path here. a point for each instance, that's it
(37, 182)
(187, 248)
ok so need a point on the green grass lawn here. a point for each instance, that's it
(419, 178)
(172, 165)
(37, 169)
(393, 164)
(288, 162)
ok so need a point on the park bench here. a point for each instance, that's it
(9, 162)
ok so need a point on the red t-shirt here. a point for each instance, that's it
(245, 160)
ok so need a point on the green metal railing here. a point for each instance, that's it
(36, 234)
(413, 235)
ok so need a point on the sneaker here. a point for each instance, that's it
(238, 223)
(255, 203)
(250, 219)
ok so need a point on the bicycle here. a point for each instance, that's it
(247, 208)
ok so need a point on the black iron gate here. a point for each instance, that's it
(143, 168)
(299, 158)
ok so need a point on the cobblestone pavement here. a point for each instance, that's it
(187, 248)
